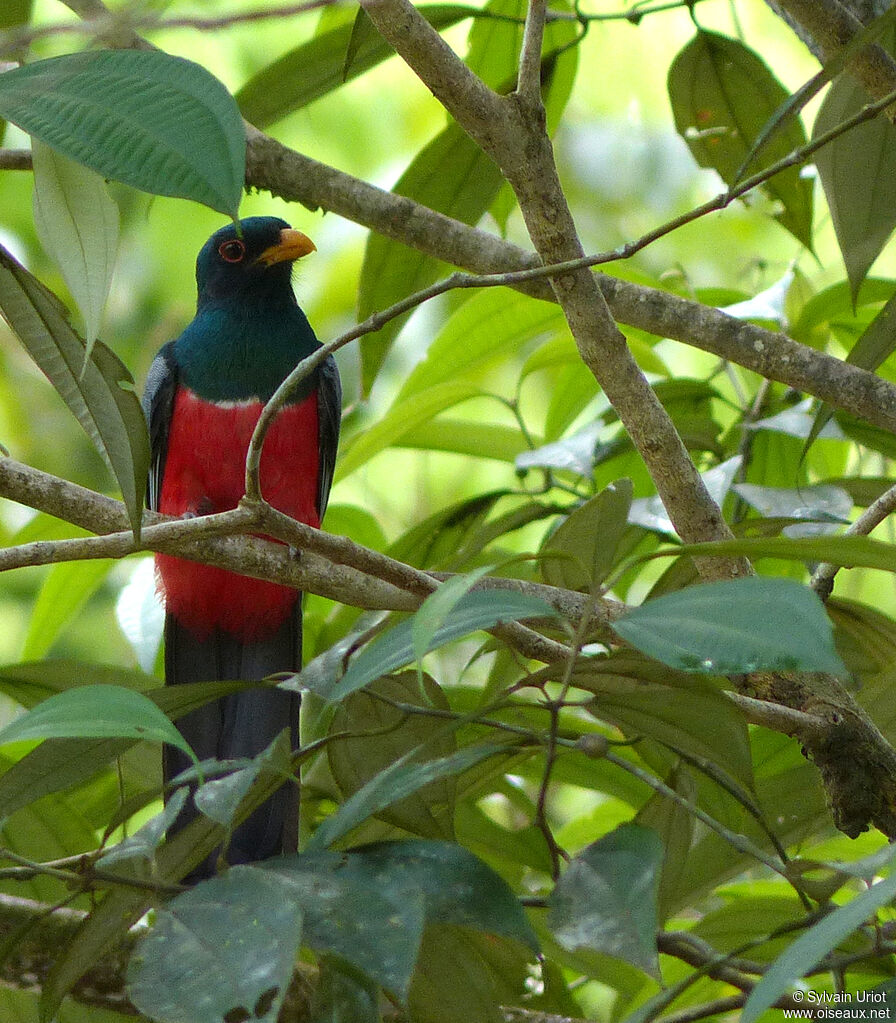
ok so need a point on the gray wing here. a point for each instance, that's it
(329, 416)
(158, 403)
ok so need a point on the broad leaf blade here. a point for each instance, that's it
(99, 392)
(735, 626)
(374, 922)
(95, 711)
(224, 950)
(480, 609)
(607, 899)
(323, 64)
(156, 122)
(856, 171)
(77, 223)
(722, 95)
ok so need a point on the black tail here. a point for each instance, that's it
(240, 725)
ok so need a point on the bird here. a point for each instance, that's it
(203, 397)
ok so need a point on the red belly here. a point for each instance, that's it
(204, 473)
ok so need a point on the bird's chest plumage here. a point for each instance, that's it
(205, 473)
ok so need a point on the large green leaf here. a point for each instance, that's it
(480, 609)
(856, 170)
(65, 589)
(451, 175)
(369, 733)
(722, 95)
(398, 781)
(607, 899)
(324, 63)
(160, 123)
(77, 223)
(98, 389)
(735, 626)
(95, 711)
(223, 951)
(579, 554)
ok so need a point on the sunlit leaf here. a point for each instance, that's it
(855, 170)
(77, 223)
(735, 626)
(64, 591)
(97, 390)
(480, 609)
(95, 711)
(722, 95)
(159, 123)
(324, 63)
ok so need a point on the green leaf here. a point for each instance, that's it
(323, 64)
(144, 842)
(401, 417)
(856, 169)
(735, 626)
(607, 899)
(683, 711)
(373, 921)
(65, 589)
(344, 996)
(451, 175)
(458, 887)
(436, 610)
(808, 950)
(398, 781)
(224, 950)
(99, 392)
(96, 711)
(77, 223)
(481, 334)
(480, 609)
(722, 95)
(159, 123)
(368, 734)
(586, 541)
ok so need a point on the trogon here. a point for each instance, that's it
(204, 394)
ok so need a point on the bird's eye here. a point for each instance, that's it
(232, 251)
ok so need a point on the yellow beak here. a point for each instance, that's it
(292, 245)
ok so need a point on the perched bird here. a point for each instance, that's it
(203, 397)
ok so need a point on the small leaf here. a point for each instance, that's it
(587, 540)
(228, 944)
(144, 842)
(811, 947)
(436, 610)
(735, 626)
(159, 123)
(481, 609)
(856, 169)
(722, 96)
(607, 899)
(77, 223)
(99, 392)
(96, 711)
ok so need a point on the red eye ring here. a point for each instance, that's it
(232, 251)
